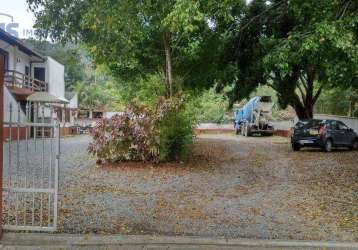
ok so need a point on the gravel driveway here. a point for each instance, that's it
(231, 186)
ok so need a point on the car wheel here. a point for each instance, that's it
(355, 145)
(296, 147)
(328, 146)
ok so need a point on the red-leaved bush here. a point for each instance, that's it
(135, 134)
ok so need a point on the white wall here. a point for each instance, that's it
(109, 114)
(56, 78)
(9, 99)
(15, 56)
(22, 61)
(73, 102)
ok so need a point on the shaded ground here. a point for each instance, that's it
(231, 186)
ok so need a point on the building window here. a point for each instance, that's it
(83, 114)
(97, 115)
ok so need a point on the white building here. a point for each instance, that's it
(72, 107)
(28, 72)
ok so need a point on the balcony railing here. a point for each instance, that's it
(16, 79)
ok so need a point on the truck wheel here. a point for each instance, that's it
(237, 131)
(248, 133)
(328, 146)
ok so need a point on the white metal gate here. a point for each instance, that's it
(31, 163)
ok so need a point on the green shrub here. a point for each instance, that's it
(143, 134)
(176, 132)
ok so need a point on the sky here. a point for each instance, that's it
(19, 11)
(21, 15)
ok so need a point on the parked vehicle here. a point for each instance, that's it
(324, 134)
(254, 117)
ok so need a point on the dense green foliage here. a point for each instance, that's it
(211, 107)
(172, 38)
(338, 101)
(143, 91)
(176, 132)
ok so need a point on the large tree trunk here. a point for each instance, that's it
(298, 91)
(168, 62)
(303, 111)
(304, 104)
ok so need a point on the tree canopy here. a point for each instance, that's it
(298, 47)
(175, 39)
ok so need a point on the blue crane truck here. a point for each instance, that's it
(254, 117)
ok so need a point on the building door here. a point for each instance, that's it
(27, 70)
(39, 73)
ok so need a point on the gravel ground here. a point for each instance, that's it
(231, 186)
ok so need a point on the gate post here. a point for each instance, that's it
(2, 71)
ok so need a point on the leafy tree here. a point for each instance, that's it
(297, 47)
(179, 40)
(92, 95)
(338, 101)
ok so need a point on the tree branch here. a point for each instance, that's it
(297, 100)
(317, 94)
(303, 80)
(301, 91)
(272, 86)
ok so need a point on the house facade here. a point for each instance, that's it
(28, 72)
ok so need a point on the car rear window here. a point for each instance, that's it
(309, 124)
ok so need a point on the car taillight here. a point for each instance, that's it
(322, 130)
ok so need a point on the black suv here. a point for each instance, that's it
(324, 134)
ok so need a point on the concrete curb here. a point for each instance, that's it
(91, 240)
